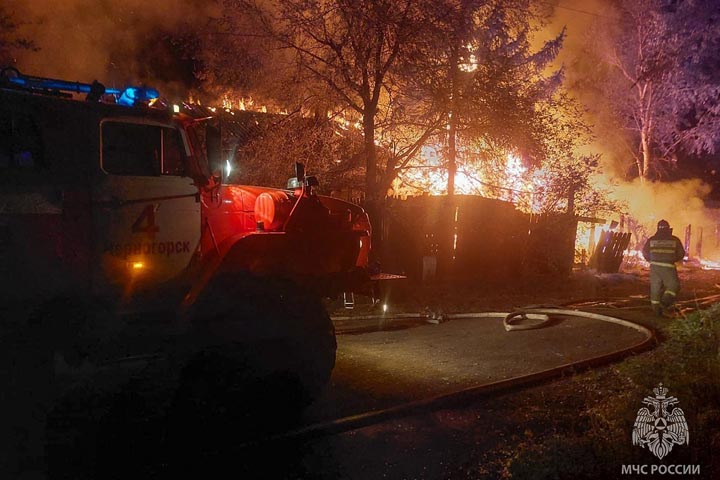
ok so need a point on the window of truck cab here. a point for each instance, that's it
(141, 148)
(21, 144)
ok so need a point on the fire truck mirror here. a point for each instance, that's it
(300, 172)
(213, 144)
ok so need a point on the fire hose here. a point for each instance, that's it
(476, 392)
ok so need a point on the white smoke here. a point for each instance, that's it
(682, 203)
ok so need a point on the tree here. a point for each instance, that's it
(10, 41)
(493, 91)
(509, 98)
(470, 68)
(487, 71)
(348, 46)
(241, 62)
(267, 147)
(662, 78)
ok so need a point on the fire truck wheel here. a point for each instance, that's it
(28, 379)
(286, 327)
(270, 351)
(312, 351)
(59, 323)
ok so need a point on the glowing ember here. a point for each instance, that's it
(709, 264)
(635, 258)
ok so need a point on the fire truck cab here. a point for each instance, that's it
(121, 241)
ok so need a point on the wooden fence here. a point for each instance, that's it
(470, 238)
(609, 252)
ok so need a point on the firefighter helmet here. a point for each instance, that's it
(663, 225)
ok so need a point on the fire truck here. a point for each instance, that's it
(123, 245)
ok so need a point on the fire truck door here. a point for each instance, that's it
(146, 212)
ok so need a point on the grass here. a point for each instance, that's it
(596, 440)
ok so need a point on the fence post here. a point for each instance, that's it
(698, 245)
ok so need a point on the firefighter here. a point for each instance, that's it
(662, 250)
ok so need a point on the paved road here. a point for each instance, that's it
(385, 368)
(381, 369)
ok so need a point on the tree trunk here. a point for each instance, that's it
(452, 113)
(646, 105)
(645, 145)
(452, 154)
(371, 183)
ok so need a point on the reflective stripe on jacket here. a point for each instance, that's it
(663, 250)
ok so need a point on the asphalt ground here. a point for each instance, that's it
(385, 367)
(382, 369)
(412, 359)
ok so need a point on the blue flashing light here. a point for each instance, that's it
(128, 97)
(50, 84)
(132, 95)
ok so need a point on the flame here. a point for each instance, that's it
(428, 175)
(247, 104)
(514, 167)
(635, 258)
(516, 178)
(507, 178)
(585, 238)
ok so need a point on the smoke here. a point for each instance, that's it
(584, 75)
(106, 40)
(577, 19)
(681, 203)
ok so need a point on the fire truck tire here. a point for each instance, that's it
(58, 326)
(270, 350)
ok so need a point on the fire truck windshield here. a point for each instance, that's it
(197, 136)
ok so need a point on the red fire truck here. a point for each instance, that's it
(122, 246)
